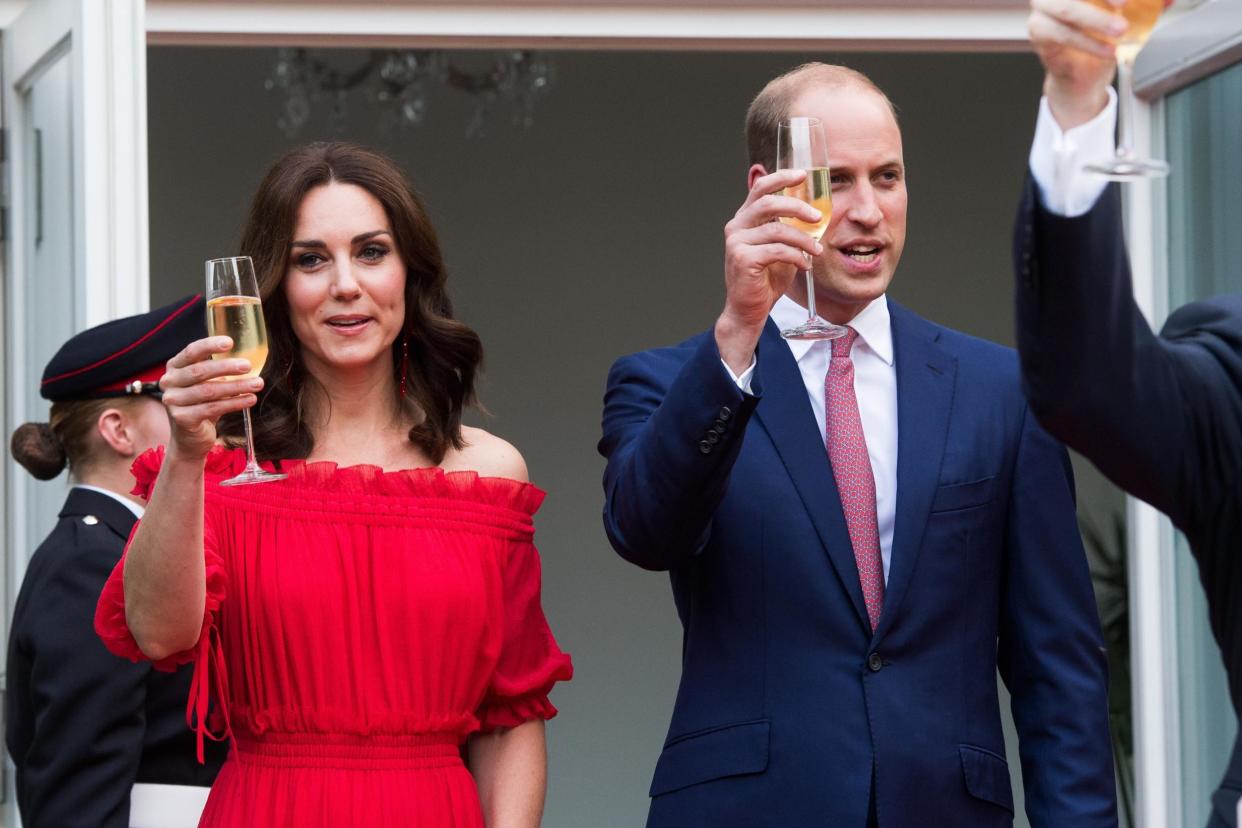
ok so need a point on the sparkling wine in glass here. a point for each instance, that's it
(802, 145)
(1126, 165)
(234, 310)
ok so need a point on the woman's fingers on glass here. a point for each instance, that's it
(191, 417)
(207, 372)
(199, 350)
(207, 391)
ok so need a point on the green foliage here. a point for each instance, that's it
(1106, 556)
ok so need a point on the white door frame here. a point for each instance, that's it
(879, 25)
(1185, 49)
(105, 41)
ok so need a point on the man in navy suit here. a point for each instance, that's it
(1160, 415)
(859, 532)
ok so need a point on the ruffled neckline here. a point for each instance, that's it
(325, 476)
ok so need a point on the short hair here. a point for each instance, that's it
(771, 105)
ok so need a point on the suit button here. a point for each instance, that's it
(712, 437)
(720, 427)
(725, 413)
(875, 663)
(705, 447)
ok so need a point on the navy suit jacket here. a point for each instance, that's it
(1160, 415)
(790, 711)
(83, 725)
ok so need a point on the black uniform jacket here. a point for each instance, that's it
(84, 725)
(1161, 416)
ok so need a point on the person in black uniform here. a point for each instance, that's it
(1160, 415)
(84, 727)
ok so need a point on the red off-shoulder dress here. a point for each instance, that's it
(359, 625)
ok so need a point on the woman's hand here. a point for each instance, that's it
(196, 395)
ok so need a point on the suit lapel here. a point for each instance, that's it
(785, 414)
(926, 377)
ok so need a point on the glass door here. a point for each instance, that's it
(1204, 125)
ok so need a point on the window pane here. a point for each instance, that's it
(1205, 198)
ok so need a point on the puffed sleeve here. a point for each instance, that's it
(110, 622)
(210, 677)
(530, 661)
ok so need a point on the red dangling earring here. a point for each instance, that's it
(405, 360)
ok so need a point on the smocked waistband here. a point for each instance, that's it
(307, 750)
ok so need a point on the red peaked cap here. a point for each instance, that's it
(125, 356)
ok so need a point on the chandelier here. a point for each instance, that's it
(397, 82)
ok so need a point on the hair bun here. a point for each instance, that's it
(36, 447)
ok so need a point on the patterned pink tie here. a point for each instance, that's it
(847, 449)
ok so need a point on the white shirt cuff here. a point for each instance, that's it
(743, 382)
(1057, 158)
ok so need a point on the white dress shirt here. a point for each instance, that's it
(875, 386)
(1057, 159)
(125, 501)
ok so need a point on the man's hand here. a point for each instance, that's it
(1075, 39)
(761, 258)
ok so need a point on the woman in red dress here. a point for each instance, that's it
(368, 632)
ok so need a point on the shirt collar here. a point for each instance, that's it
(872, 323)
(129, 504)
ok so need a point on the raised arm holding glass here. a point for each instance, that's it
(96, 742)
(1160, 415)
(361, 626)
(859, 531)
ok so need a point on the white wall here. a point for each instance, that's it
(595, 233)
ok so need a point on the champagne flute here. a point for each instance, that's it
(1126, 165)
(233, 310)
(801, 145)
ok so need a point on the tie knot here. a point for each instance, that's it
(842, 344)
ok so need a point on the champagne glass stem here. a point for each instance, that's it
(1125, 102)
(251, 463)
(810, 294)
(1126, 164)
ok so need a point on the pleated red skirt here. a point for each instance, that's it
(359, 626)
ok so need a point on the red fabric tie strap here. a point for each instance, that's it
(209, 669)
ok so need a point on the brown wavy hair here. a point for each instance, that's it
(444, 355)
